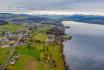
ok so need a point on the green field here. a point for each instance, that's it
(11, 27)
(3, 54)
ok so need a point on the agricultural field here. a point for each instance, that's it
(11, 27)
(3, 54)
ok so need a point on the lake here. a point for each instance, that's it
(85, 51)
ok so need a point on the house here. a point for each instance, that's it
(51, 37)
(12, 42)
(16, 56)
(5, 39)
(13, 61)
(5, 45)
(36, 24)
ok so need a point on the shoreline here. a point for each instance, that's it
(66, 65)
(68, 37)
(64, 58)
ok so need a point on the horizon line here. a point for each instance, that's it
(51, 12)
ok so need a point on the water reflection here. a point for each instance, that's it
(85, 50)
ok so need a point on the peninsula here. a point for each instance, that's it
(35, 46)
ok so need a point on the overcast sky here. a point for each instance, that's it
(74, 5)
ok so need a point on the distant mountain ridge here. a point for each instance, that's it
(9, 17)
(93, 19)
(2, 22)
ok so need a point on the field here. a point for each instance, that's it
(3, 54)
(11, 27)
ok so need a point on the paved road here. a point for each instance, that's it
(9, 55)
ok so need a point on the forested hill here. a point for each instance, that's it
(92, 19)
(16, 18)
(88, 19)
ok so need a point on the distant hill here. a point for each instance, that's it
(2, 22)
(21, 18)
(93, 19)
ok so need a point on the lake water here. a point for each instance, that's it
(85, 51)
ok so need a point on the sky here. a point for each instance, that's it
(71, 5)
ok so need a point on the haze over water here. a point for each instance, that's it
(86, 49)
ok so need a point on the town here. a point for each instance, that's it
(35, 46)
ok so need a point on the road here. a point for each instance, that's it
(10, 53)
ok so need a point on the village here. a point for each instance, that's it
(45, 36)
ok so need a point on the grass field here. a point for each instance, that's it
(11, 27)
(3, 54)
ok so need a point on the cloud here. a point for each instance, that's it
(80, 5)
